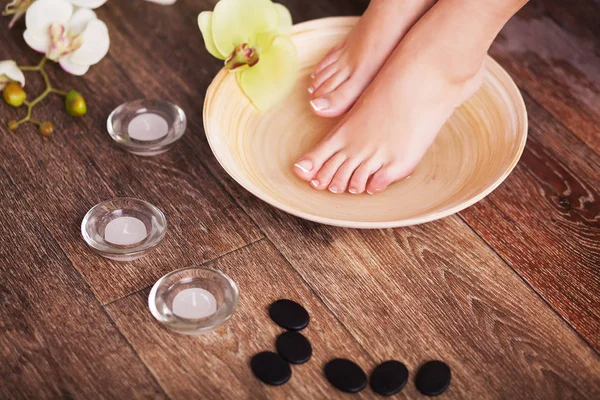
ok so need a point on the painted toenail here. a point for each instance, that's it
(334, 189)
(315, 183)
(311, 90)
(304, 165)
(320, 104)
(352, 190)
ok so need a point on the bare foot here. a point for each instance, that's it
(341, 77)
(436, 67)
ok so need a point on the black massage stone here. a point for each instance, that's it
(389, 378)
(289, 315)
(345, 375)
(433, 378)
(270, 368)
(294, 347)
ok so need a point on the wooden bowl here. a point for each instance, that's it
(474, 152)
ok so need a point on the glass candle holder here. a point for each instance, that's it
(123, 229)
(146, 127)
(193, 300)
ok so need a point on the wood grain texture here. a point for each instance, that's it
(437, 291)
(444, 293)
(545, 222)
(56, 340)
(216, 366)
(551, 49)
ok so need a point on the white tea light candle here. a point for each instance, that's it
(194, 303)
(125, 231)
(148, 127)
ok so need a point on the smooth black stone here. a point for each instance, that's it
(389, 378)
(433, 378)
(293, 347)
(270, 368)
(289, 315)
(345, 375)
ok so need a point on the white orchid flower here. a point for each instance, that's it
(88, 3)
(10, 72)
(75, 38)
(17, 8)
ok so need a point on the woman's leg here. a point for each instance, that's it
(436, 67)
(349, 67)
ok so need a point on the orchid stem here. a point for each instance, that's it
(59, 92)
(49, 89)
(38, 67)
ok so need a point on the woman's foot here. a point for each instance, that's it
(341, 77)
(436, 67)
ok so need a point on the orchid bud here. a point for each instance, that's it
(46, 128)
(75, 104)
(14, 95)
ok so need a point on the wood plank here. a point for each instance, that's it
(216, 365)
(56, 340)
(559, 68)
(80, 166)
(577, 16)
(436, 291)
(545, 221)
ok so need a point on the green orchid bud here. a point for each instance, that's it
(12, 125)
(46, 128)
(14, 95)
(75, 104)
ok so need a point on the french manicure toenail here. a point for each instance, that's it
(304, 165)
(315, 183)
(333, 189)
(369, 192)
(320, 104)
(311, 90)
(352, 190)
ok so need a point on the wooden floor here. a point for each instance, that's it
(507, 292)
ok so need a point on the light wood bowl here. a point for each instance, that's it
(474, 152)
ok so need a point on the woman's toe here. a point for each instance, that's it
(338, 101)
(358, 182)
(386, 176)
(332, 83)
(309, 164)
(339, 183)
(332, 56)
(322, 77)
(323, 178)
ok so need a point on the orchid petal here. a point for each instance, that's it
(88, 3)
(37, 40)
(73, 68)
(10, 70)
(79, 20)
(43, 13)
(205, 24)
(285, 19)
(95, 44)
(238, 21)
(269, 81)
